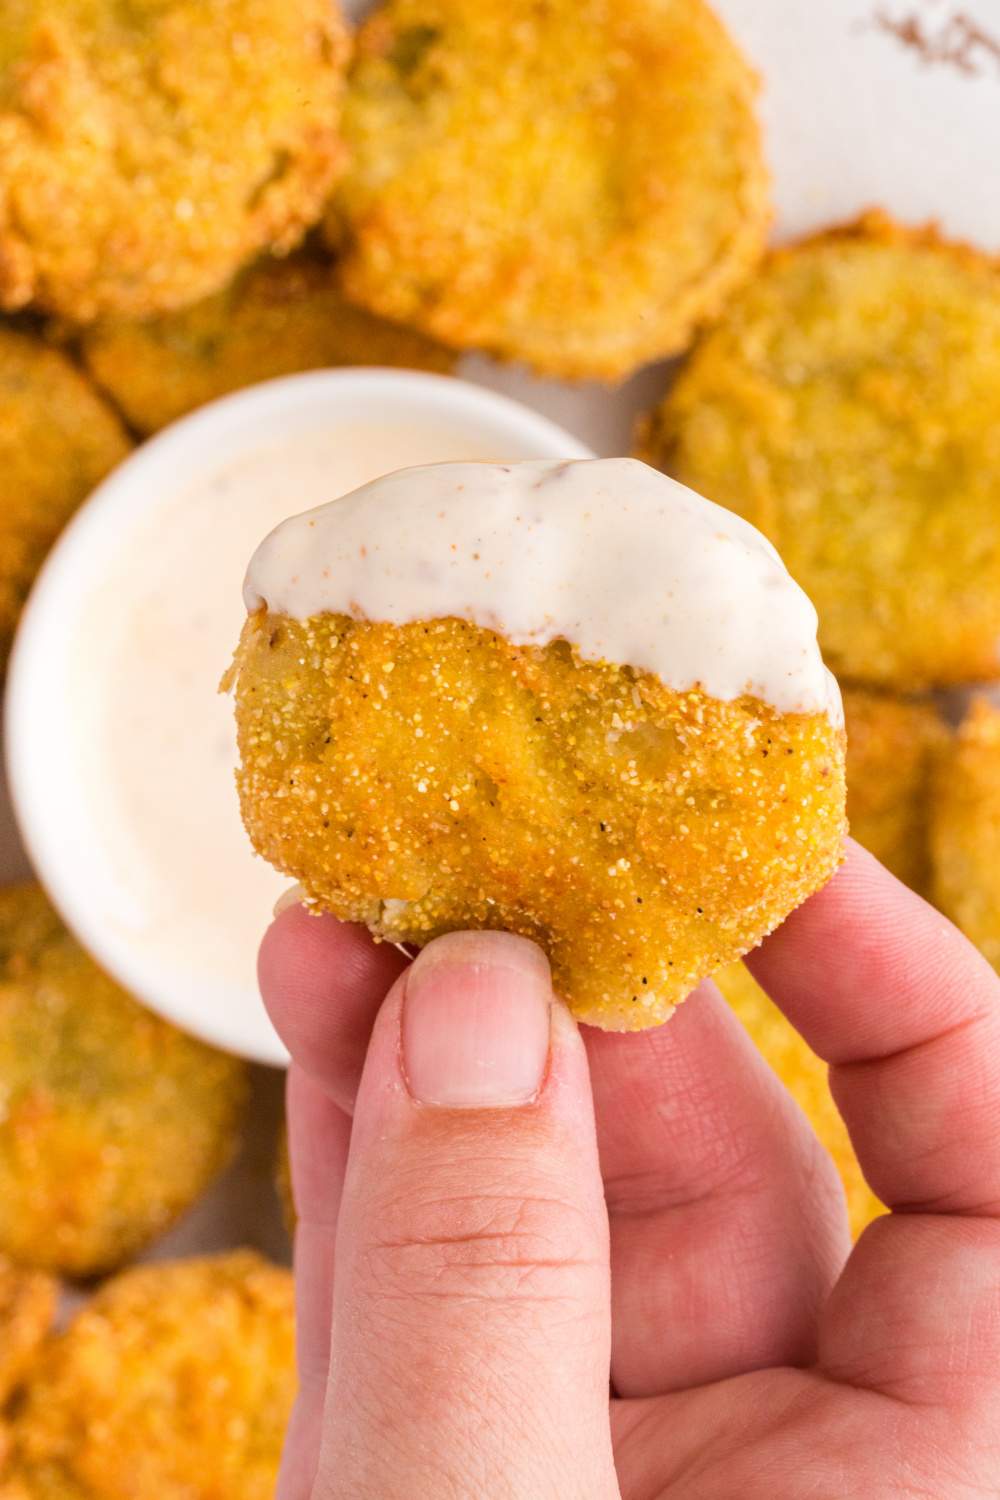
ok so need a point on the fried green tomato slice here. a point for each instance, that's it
(58, 439)
(965, 830)
(847, 407)
(174, 1383)
(277, 318)
(433, 776)
(805, 1077)
(150, 148)
(27, 1310)
(892, 749)
(574, 185)
(113, 1122)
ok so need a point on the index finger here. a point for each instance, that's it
(907, 1013)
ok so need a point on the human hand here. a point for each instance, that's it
(490, 1229)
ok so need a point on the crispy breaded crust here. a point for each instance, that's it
(847, 407)
(147, 150)
(428, 777)
(575, 185)
(27, 1308)
(277, 318)
(58, 439)
(174, 1383)
(805, 1077)
(113, 1122)
(892, 749)
(965, 830)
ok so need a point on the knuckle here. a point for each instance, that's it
(723, 1167)
(497, 1245)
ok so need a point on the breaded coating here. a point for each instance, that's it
(112, 1121)
(278, 318)
(27, 1309)
(577, 184)
(892, 747)
(805, 1077)
(148, 148)
(847, 407)
(58, 439)
(175, 1383)
(433, 776)
(965, 830)
(13, 1486)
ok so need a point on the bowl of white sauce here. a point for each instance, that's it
(121, 751)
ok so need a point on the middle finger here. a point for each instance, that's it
(728, 1226)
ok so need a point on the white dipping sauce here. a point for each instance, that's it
(626, 564)
(153, 644)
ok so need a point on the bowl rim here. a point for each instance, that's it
(46, 618)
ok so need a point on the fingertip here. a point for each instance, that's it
(322, 982)
(866, 965)
(278, 947)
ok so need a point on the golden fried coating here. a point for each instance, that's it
(577, 184)
(13, 1486)
(805, 1077)
(113, 1121)
(892, 746)
(965, 830)
(847, 407)
(27, 1308)
(149, 148)
(174, 1383)
(57, 440)
(279, 317)
(428, 777)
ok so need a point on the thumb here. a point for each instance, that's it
(471, 1332)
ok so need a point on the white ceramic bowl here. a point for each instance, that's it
(63, 784)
